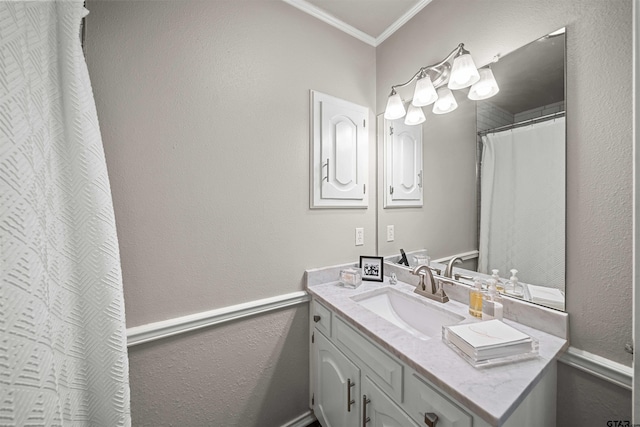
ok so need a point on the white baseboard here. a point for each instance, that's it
(302, 421)
(178, 325)
(599, 366)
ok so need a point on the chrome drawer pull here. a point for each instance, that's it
(365, 419)
(349, 400)
(430, 419)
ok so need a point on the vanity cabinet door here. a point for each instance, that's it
(336, 386)
(423, 399)
(340, 153)
(380, 409)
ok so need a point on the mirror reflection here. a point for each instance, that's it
(494, 181)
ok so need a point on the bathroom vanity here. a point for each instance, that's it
(368, 370)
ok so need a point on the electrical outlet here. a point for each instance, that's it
(359, 236)
(391, 234)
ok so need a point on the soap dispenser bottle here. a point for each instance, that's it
(513, 287)
(492, 306)
(499, 285)
(475, 298)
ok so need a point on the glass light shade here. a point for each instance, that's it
(415, 116)
(395, 108)
(446, 102)
(486, 87)
(463, 72)
(425, 93)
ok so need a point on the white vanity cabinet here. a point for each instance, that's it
(355, 382)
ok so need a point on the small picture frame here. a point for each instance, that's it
(372, 268)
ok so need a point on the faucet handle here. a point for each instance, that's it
(422, 285)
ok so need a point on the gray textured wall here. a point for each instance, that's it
(204, 112)
(599, 155)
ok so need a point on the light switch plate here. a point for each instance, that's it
(359, 236)
(391, 234)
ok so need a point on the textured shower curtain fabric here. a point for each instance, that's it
(63, 359)
(522, 207)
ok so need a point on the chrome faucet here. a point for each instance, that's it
(436, 293)
(448, 272)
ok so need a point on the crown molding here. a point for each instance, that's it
(316, 12)
(401, 21)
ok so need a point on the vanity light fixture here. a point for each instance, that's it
(434, 83)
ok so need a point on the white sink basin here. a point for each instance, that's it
(420, 318)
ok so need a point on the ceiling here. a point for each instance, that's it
(371, 21)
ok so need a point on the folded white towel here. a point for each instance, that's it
(551, 297)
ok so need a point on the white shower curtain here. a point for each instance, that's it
(522, 209)
(63, 358)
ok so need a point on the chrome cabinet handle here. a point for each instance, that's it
(316, 318)
(327, 165)
(420, 179)
(365, 419)
(430, 419)
(349, 400)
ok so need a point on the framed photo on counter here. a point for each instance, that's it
(372, 268)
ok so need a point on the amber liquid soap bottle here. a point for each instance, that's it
(475, 299)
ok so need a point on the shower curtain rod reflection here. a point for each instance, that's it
(522, 123)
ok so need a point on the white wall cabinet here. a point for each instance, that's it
(340, 153)
(403, 176)
(354, 382)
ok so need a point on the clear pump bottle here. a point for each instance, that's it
(513, 287)
(499, 285)
(492, 306)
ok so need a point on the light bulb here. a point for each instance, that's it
(483, 89)
(415, 116)
(486, 87)
(463, 72)
(446, 102)
(425, 93)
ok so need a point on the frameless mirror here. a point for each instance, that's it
(494, 179)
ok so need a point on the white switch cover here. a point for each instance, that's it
(359, 236)
(391, 235)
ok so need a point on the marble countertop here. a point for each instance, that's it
(493, 393)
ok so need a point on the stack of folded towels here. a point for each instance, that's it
(487, 340)
(551, 297)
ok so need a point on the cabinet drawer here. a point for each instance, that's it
(423, 398)
(382, 368)
(321, 318)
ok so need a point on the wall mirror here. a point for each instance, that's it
(494, 179)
